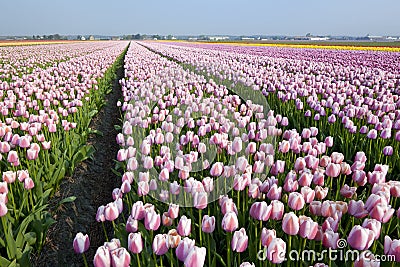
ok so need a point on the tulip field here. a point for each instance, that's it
(229, 155)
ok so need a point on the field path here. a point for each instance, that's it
(92, 184)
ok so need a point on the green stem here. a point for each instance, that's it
(84, 260)
(209, 246)
(13, 202)
(228, 246)
(200, 235)
(105, 232)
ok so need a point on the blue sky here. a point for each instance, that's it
(286, 17)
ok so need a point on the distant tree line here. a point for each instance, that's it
(49, 37)
(145, 36)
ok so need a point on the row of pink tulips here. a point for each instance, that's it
(44, 123)
(299, 195)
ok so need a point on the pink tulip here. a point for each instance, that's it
(241, 164)
(277, 209)
(300, 164)
(135, 243)
(184, 226)
(392, 247)
(3, 209)
(28, 183)
(3, 187)
(152, 220)
(120, 258)
(183, 248)
(81, 243)
(196, 257)
(359, 177)
(208, 224)
(330, 239)
(164, 175)
(333, 170)
(308, 228)
(239, 240)
(347, 191)
(12, 156)
(22, 175)
(217, 169)
(296, 201)
(382, 212)
(173, 211)
(360, 238)
(318, 178)
(278, 167)
(284, 146)
(148, 163)
(308, 194)
(143, 188)
(132, 225)
(356, 209)
(374, 226)
(260, 211)
(9, 177)
(111, 211)
(102, 257)
(321, 192)
(267, 236)
(376, 177)
(276, 251)
(138, 211)
(227, 205)
(274, 192)
(230, 222)
(160, 246)
(305, 179)
(290, 224)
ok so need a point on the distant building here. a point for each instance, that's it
(248, 38)
(319, 38)
(115, 38)
(218, 38)
(91, 38)
(83, 38)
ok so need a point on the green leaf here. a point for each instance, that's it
(4, 261)
(66, 200)
(93, 113)
(83, 154)
(97, 132)
(30, 238)
(13, 263)
(11, 245)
